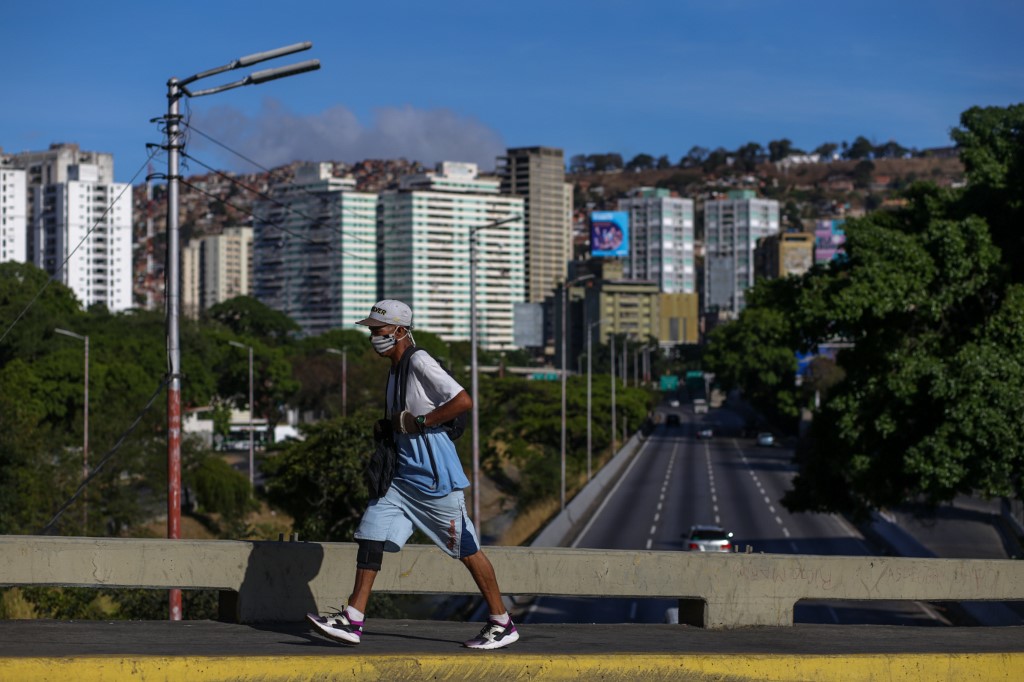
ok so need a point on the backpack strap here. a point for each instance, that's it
(402, 377)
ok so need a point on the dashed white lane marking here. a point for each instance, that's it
(664, 487)
(610, 495)
(711, 483)
(760, 489)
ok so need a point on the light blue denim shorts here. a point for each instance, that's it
(390, 519)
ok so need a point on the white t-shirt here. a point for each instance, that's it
(428, 386)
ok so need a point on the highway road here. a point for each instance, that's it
(676, 481)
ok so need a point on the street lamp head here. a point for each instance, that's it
(65, 332)
(251, 59)
(266, 75)
(236, 344)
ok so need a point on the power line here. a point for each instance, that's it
(96, 470)
(60, 268)
(275, 225)
(272, 172)
(283, 205)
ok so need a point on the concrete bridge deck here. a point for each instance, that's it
(98, 651)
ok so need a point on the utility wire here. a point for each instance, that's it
(110, 453)
(283, 205)
(78, 246)
(275, 225)
(269, 171)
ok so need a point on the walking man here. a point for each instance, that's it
(426, 492)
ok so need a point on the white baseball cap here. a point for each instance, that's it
(388, 312)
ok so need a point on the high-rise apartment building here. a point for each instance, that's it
(13, 216)
(315, 250)
(79, 222)
(216, 268)
(784, 254)
(732, 227)
(660, 240)
(426, 226)
(537, 174)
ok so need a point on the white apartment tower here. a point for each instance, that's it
(315, 250)
(537, 174)
(660, 240)
(215, 269)
(13, 216)
(79, 222)
(732, 227)
(426, 226)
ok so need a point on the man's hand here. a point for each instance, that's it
(405, 422)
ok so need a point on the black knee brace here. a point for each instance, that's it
(370, 554)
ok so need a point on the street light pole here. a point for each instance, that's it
(344, 378)
(85, 424)
(611, 357)
(252, 410)
(176, 89)
(565, 306)
(474, 367)
(590, 369)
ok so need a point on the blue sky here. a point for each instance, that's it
(462, 80)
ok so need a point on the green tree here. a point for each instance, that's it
(641, 162)
(926, 408)
(31, 306)
(826, 150)
(246, 316)
(319, 481)
(748, 155)
(862, 173)
(860, 149)
(757, 354)
(695, 157)
(991, 146)
(780, 149)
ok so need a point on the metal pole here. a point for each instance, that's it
(173, 342)
(590, 370)
(344, 383)
(474, 372)
(85, 441)
(565, 304)
(252, 411)
(612, 363)
(625, 363)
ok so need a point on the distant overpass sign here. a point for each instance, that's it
(669, 382)
(544, 376)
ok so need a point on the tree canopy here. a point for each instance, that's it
(929, 304)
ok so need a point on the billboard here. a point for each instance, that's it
(609, 234)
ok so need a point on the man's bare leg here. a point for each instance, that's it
(483, 575)
(361, 590)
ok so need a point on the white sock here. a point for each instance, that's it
(354, 614)
(502, 620)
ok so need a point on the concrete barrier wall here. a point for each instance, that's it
(562, 529)
(281, 581)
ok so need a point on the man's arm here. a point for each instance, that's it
(405, 421)
(450, 410)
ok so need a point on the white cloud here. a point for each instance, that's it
(276, 136)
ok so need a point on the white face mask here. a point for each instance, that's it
(384, 344)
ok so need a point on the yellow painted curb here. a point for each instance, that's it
(509, 665)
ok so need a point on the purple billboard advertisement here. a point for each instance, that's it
(609, 234)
